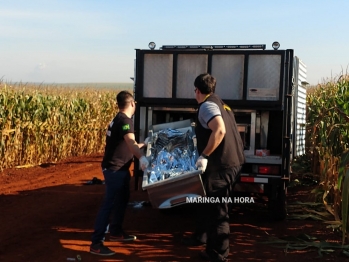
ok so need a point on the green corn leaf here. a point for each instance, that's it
(344, 161)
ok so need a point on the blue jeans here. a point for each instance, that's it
(117, 194)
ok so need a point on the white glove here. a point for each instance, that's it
(146, 141)
(201, 163)
(143, 161)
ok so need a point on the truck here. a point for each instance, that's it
(266, 88)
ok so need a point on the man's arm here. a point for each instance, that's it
(217, 127)
(133, 145)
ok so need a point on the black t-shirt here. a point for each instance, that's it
(117, 155)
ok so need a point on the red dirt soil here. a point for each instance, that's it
(47, 214)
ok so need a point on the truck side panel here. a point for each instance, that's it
(299, 107)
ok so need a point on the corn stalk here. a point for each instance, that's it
(328, 122)
(45, 124)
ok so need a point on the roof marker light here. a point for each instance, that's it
(152, 45)
(276, 45)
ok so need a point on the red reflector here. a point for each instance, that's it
(268, 170)
(247, 179)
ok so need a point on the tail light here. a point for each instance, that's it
(266, 169)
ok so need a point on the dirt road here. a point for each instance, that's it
(47, 214)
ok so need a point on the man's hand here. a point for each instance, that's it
(201, 163)
(143, 161)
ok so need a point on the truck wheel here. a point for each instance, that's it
(277, 205)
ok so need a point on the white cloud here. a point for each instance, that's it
(42, 15)
(41, 66)
(58, 25)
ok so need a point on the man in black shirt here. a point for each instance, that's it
(119, 151)
(221, 157)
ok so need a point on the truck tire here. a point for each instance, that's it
(277, 204)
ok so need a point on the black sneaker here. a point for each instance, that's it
(206, 257)
(101, 250)
(122, 237)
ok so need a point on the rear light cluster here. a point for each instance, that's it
(266, 169)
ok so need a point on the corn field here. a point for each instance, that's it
(328, 141)
(41, 124)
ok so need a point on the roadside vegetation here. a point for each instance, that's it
(43, 124)
(327, 142)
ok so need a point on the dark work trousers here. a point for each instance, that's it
(116, 197)
(212, 224)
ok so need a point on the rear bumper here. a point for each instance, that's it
(256, 183)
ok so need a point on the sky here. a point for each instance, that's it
(84, 41)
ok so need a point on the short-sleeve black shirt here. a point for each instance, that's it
(117, 155)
